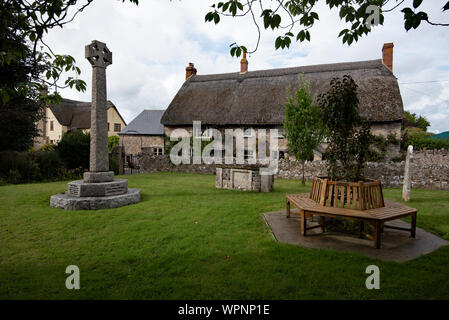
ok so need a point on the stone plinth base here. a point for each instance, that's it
(80, 188)
(66, 202)
(94, 177)
(243, 177)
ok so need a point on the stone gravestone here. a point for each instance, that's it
(98, 189)
(407, 179)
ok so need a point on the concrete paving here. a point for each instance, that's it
(396, 245)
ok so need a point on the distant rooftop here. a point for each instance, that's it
(148, 122)
(76, 114)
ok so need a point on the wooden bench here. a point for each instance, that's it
(341, 206)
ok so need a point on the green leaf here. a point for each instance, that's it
(417, 3)
(275, 21)
(278, 42)
(342, 32)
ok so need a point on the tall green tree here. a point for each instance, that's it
(348, 134)
(19, 108)
(27, 64)
(302, 125)
(417, 121)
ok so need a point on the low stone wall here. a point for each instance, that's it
(152, 163)
(429, 169)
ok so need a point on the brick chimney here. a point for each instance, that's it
(387, 55)
(190, 70)
(243, 64)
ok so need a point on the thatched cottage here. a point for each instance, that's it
(70, 115)
(255, 99)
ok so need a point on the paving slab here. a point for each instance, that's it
(396, 245)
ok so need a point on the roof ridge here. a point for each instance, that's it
(317, 68)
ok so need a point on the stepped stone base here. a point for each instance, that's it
(80, 188)
(93, 177)
(67, 202)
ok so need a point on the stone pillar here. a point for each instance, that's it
(407, 179)
(100, 58)
(98, 122)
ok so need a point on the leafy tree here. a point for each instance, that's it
(348, 134)
(113, 141)
(27, 63)
(19, 111)
(420, 139)
(302, 125)
(416, 121)
(294, 19)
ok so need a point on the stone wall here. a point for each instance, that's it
(133, 144)
(152, 163)
(429, 169)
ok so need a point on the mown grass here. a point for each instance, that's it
(188, 240)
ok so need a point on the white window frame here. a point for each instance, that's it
(158, 151)
(280, 133)
(245, 130)
(247, 154)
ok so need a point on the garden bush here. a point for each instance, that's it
(18, 167)
(74, 149)
(420, 139)
(49, 164)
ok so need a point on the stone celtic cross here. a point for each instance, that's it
(99, 57)
(98, 54)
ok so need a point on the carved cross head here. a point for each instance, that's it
(98, 54)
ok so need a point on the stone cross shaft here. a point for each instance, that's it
(99, 57)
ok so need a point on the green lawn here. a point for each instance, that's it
(188, 240)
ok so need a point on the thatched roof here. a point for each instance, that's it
(258, 97)
(76, 114)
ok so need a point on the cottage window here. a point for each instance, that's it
(280, 133)
(108, 126)
(157, 151)
(247, 132)
(52, 126)
(248, 154)
(117, 127)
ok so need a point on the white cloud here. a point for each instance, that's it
(153, 42)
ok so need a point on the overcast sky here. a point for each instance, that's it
(152, 44)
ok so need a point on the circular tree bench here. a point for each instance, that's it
(360, 201)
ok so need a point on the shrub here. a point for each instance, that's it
(74, 149)
(302, 124)
(47, 147)
(113, 166)
(18, 167)
(422, 140)
(113, 141)
(49, 164)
